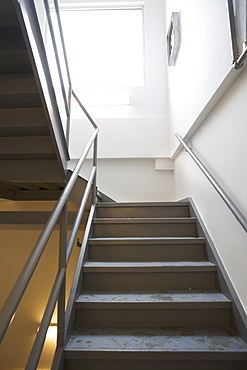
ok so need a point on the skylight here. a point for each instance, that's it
(105, 47)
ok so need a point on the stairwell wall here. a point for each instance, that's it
(220, 140)
(134, 136)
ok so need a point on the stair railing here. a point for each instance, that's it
(229, 202)
(15, 296)
(57, 295)
(238, 59)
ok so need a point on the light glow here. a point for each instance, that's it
(103, 97)
(105, 46)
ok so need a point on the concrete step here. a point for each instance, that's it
(11, 39)
(122, 276)
(22, 117)
(155, 308)
(32, 170)
(17, 83)
(13, 54)
(8, 17)
(177, 348)
(18, 90)
(118, 210)
(121, 227)
(16, 61)
(15, 147)
(23, 122)
(146, 249)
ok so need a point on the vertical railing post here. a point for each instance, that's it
(94, 188)
(62, 264)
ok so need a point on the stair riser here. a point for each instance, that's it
(15, 62)
(150, 253)
(153, 365)
(157, 317)
(146, 230)
(155, 211)
(151, 281)
(11, 40)
(24, 100)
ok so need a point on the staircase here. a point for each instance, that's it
(31, 164)
(149, 297)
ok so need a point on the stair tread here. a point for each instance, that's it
(168, 297)
(141, 204)
(136, 220)
(155, 339)
(142, 240)
(163, 265)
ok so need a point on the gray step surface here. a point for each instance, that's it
(11, 39)
(146, 249)
(197, 309)
(157, 343)
(26, 145)
(114, 227)
(151, 299)
(8, 17)
(168, 209)
(185, 266)
(150, 364)
(20, 117)
(153, 276)
(31, 170)
(17, 83)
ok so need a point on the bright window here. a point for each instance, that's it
(105, 47)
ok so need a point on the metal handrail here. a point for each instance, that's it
(20, 286)
(238, 59)
(231, 205)
(58, 292)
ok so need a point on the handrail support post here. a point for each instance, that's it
(62, 264)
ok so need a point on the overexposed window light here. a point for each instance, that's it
(105, 46)
(102, 97)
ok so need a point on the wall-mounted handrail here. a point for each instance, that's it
(238, 59)
(231, 205)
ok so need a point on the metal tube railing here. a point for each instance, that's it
(80, 214)
(48, 14)
(42, 330)
(84, 110)
(57, 294)
(238, 59)
(233, 31)
(231, 205)
(20, 286)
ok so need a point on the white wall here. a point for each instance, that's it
(221, 144)
(133, 180)
(135, 131)
(203, 61)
